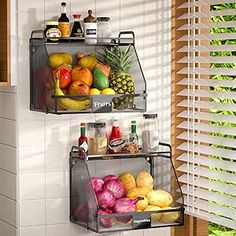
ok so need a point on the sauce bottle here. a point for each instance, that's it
(115, 132)
(64, 22)
(133, 137)
(83, 141)
(90, 28)
(77, 29)
(116, 143)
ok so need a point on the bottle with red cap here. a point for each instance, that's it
(77, 29)
(83, 141)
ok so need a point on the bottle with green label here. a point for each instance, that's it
(133, 137)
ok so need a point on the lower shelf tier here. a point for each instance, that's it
(151, 191)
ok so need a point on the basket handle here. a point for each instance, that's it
(126, 33)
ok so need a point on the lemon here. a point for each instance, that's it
(94, 91)
(108, 91)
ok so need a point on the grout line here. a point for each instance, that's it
(9, 198)
(8, 224)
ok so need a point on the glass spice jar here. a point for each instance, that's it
(104, 29)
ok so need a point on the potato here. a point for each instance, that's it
(128, 180)
(135, 192)
(155, 217)
(169, 217)
(144, 179)
(159, 198)
(141, 205)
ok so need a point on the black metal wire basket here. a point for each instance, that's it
(42, 93)
(84, 209)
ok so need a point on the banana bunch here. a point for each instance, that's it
(71, 104)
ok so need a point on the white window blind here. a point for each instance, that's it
(207, 62)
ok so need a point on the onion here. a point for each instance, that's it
(125, 205)
(97, 183)
(116, 187)
(109, 177)
(106, 222)
(106, 198)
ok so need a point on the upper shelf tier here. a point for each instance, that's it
(44, 97)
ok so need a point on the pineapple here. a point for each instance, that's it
(120, 80)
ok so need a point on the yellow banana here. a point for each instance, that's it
(69, 103)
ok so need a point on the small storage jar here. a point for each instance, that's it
(104, 29)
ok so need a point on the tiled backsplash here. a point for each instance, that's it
(34, 162)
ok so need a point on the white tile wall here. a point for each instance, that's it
(36, 231)
(32, 213)
(8, 105)
(57, 185)
(8, 158)
(8, 132)
(58, 230)
(32, 186)
(6, 229)
(45, 140)
(8, 184)
(8, 210)
(57, 211)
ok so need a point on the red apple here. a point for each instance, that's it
(79, 88)
(63, 73)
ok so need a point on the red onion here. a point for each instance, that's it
(116, 187)
(125, 205)
(109, 177)
(106, 222)
(97, 183)
(106, 198)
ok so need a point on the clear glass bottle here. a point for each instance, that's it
(150, 134)
(104, 30)
(64, 22)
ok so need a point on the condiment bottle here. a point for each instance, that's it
(133, 137)
(115, 132)
(77, 29)
(90, 28)
(83, 141)
(64, 22)
(104, 29)
(150, 134)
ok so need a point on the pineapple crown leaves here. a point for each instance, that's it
(118, 58)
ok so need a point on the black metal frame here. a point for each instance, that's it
(38, 38)
(149, 157)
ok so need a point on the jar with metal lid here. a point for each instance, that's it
(150, 134)
(104, 29)
(97, 136)
(52, 31)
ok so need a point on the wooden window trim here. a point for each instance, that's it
(193, 226)
(5, 43)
